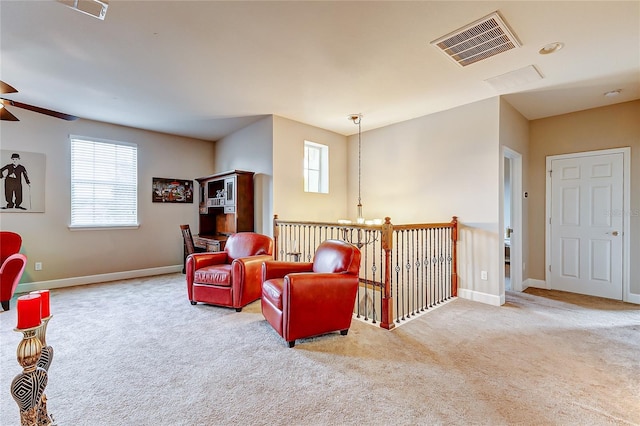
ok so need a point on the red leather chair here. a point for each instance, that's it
(13, 264)
(231, 277)
(301, 299)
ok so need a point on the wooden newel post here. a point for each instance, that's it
(454, 261)
(386, 320)
(276, 234)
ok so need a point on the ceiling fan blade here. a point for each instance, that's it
(41, 110)
(6, 88)
(6, 115)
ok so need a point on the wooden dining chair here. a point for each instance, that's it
(188, 240)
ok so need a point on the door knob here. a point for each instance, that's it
(614, 233)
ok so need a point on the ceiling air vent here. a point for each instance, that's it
(477, 41)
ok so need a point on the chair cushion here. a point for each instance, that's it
(272, 291)
(214, 275)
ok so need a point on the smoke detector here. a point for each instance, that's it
(612, 93)
(478, 41)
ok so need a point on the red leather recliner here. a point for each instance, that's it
(231, 277)
(13, 264)
(302, 299)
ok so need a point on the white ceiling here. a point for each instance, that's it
(207, 68)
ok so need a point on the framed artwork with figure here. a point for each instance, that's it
(169, 190)
(23, 181)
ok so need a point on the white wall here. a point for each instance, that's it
(289, 199)
(432, 168)
(157, 243)
(251, 149)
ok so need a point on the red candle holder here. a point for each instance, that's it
(29, 311)
(44, 302)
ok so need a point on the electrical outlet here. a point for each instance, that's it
(483, 275)
(38, 266)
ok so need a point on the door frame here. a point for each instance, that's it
(626, 219)
(516, 220)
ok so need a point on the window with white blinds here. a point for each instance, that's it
(104, 183)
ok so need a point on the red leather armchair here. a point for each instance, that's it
(302, 299)
(231, 277)
(13, 264)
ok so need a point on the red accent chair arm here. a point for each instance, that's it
(248, 282)
(278, 269)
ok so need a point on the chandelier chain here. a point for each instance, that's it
(357, 119)
(359, 159)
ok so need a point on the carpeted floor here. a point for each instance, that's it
(135, 352)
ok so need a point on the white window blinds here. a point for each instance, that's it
(104, 183)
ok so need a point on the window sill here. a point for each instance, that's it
(101, 228)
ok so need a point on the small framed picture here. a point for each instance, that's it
(169, 190)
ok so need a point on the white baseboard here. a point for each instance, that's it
(530, 282)
(476, 296)
(92, 279)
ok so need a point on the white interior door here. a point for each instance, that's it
(587, 201)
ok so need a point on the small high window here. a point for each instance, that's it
(104, 183)
(316, 167)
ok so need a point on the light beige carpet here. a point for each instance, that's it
(136, 352)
